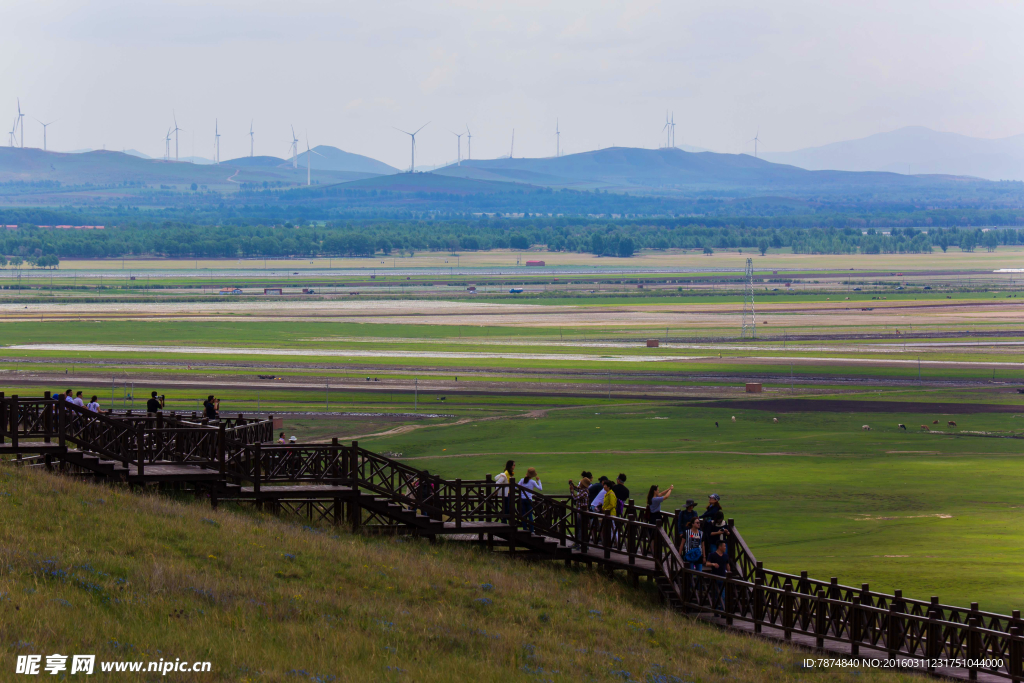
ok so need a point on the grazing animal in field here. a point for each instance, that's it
(866, 428)
(733, 418)
(936, 422)
(716, 423)
(925, 428)
(775, 420)
(902, 426)
(951, 423)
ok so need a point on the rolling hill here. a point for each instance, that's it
(916, 149)
(674, 170)
(327, 158)
(105, 168)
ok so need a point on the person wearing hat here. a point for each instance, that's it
(292, 439)
(715, 531)
(687, 516)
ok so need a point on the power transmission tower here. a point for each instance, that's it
(749, 321)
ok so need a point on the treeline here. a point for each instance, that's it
(41, 246)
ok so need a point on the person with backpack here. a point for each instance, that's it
(691, 546)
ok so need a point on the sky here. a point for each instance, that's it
(112, 73)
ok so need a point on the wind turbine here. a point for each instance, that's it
(11, 134)
(176, 131)
(295, 149)
(412, 168)
(216, 137)
(309, 162)
(167, 146)
(458, 136)
(513, 147)
(44, 125)
(558, 140)
(21, 124)
(673, 130)
(251, 147)
(469, 144)
(755, 140)
(667, 130)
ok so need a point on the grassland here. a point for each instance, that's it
(132, 577)
(562, 380)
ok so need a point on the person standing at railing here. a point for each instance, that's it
(68, 397)
(155, 404)
(718, 563)
(502, 480)
(580, 493)
(94, 405)
(532, 483)
(654, 500)
(210, 406)
(596, 490)
(621, 494)
(78, 400)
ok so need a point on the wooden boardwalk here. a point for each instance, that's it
(232, 461)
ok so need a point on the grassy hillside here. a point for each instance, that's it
(89, 569)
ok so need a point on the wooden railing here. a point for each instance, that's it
(857, 621)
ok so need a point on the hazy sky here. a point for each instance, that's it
(803, 72)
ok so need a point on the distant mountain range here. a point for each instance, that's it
(916, 150)
(669, 171)
(104, 167)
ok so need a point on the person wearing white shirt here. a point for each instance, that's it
(598, 499)
(502, 481)
(94, 405)
(532, 483)
(78, 400)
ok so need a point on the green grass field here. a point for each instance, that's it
(139, 578)
(814, 492)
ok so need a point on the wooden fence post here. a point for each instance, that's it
(933, 643)
(787, 611)
(855, 618)
(15, 423)
(1016, 668)
(140, 450)
(606, 534)
(335, 479)
(222, 445)
(47, 418)
(973, 647)
(3, 419)
(658, 548)
(819, 620)
(458, 503)
(257, 458)
(893, 632)
(758, 603)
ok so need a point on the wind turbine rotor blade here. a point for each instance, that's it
(404, 131)
(422, 127)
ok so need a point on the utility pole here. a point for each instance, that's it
(416, 397)
(327, 396)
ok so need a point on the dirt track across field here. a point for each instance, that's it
(802, 405)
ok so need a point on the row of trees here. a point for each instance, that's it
(44, 247)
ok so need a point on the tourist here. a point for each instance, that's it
(68, 397)
(715, 531)
(609, 502)
(595, 489)
(718, 562)
(654, 500)
(687, 516)
(154, 405)
(93, 405)
(532, 483)
(714, 507)
(502, 481)
(598, 500)
(621, 493)
(691, 545)
(210, 406)
(281, 439)
(580, 492)
(78, 401)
